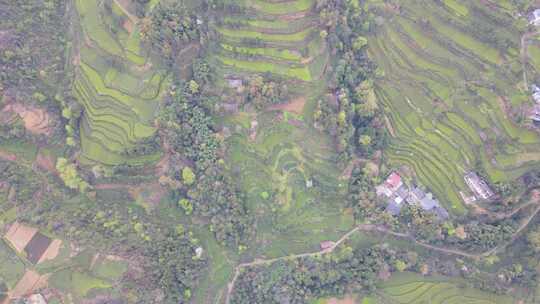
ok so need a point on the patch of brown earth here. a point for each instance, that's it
(151, 193)
(307, 60)
(128, 26)
(35, 120)
(30, 282)
(346, 300)
(52, 251)
(8, 156)
(20, 235)
(115, 258)
(295, 106)
(46, 162)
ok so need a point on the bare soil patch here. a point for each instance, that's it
(20, 235)
(150, 193)
(46, 162)
(52, 252)
(8, 156)
(295, 106)
(36, 120)
(128, 26)
(30, 282)
(346, 300)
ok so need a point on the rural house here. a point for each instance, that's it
(535, 114)
(535, 93)
(326, 245)
(534, 17)
(390, 186)
(398, 193)
(478, 186)
(36, 299)
(427, 202)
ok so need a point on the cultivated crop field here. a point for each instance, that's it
(408, 288)
(291, 183)
(286, 169)
(277, 38)
(116, 85)
(453, 92)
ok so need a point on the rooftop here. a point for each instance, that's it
(478, 185)
(394, 180)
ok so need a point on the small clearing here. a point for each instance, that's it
(8, 156)
(296, 106)
(46, 162)
(36, 120)
(346, 300)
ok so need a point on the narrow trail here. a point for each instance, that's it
(259, 262)
(369, 228)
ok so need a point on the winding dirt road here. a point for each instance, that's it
(381, 229)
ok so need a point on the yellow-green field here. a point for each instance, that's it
(448, 90)
(119, 95)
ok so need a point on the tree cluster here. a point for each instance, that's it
(187, 128)
(169, 28)
(262, 91)
(298, 281)
(351, 113)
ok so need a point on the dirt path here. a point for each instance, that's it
(380, 229)
(259, 262)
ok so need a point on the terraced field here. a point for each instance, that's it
(408, 288)
(280, 38)
(285, 167)
(116, 85)
(289, 175)
(453, 94)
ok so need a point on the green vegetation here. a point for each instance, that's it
(228, 151)
(11, 266)
(412, 288)
(253, 43)
(442, 124)
(118, 94)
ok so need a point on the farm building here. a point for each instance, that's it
(427, 202)
(535, 114)
(534, 17)
(36, 299)
(390, 186)
(235, 83)
(399, 193)
(478, 186)
(535, 93)
(325, 245)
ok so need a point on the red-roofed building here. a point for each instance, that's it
(393, 182)
(391, 185)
